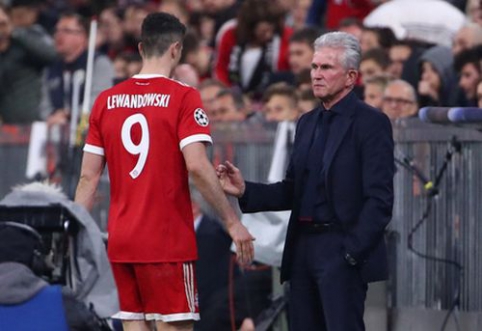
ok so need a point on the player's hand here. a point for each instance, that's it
(243, 241)
(231, 179)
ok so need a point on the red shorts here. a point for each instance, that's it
(156, 291)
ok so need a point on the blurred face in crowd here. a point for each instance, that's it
(224, 110)
(70, 38)
(300, 55)
(110, 25)
(469, 77)
(369, 68)
(329, 79)
(208, 97)
(263, 32)
(280, 108)
(215, 6)
(5, 30)
(399, 100)
(368, 40)
(174, 8)
(133, 18)
(398, 55)
(464, 39)
(373, 95)
(353, 29)
(23, 16)
(305, 106)
(431, 76)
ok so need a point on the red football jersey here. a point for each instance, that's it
(141, 126)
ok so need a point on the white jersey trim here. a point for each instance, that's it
(173, 317)
(150, 76)
(195, 138)
(94, 149)
(125, 315)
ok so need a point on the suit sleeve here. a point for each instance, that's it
(377, 167)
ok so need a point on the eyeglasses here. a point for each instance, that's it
(399, 101)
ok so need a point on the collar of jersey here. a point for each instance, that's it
(148, 76)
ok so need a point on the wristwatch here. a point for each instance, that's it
(350, 260)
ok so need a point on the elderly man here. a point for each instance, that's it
(399, 100)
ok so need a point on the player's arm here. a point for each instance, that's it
(204, 177)
(92, 168)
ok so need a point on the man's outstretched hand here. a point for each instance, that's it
(231, 179)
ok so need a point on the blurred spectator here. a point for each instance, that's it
(438, 79)
(209, 89)
(186, 74)
(196, 55)
(429, 21)
(303, 80)
(398, 54)
(134, 14)
(228, 106)
(301, 49)
(203, 26)
(111, 32)
(300, 54)
(376, 37)
(399, 100)
(373, 62)
(298, 12)
(176, 8)
(24, 13)
(280, 103)
(337, 10)
(24, 52)
(71, 39)
(352, 26)
(474, 11)
(253, 47)
(467, 65)
(27, 302)
(220, 11)
(306, 101)
(374, 89)
(467, 37)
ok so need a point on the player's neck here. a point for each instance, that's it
(157, 66)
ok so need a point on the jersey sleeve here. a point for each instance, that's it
(194, 122)
(93, 142)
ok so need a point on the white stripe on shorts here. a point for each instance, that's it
(189, 285)
(125, 315)
(173, 317)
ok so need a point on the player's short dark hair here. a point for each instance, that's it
(159, 31)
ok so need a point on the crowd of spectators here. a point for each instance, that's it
(234, 51)
(250, 59)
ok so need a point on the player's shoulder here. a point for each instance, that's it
(180, 86)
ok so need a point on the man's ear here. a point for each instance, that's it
(140, 48)
(176, 49)
(352, 77)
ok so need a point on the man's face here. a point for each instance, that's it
(224, 110)
(369, 68)
(208, 97)
(398, 55)
(300, 55)
(373, 95)
(464, 39)
(69, 36)
(398, 101)
(469, 77)
(329, 79)
(280, 108)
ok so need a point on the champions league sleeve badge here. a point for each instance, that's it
(201, 117)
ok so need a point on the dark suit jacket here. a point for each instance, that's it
(359, 183)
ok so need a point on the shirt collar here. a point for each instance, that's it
(342, 106)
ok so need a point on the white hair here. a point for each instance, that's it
(41, 187)
(347, 42)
